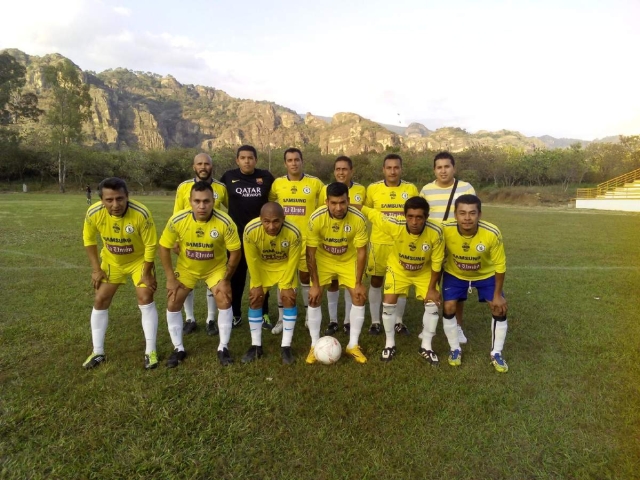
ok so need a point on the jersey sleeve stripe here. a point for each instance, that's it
(252, 226)
(139, 209)
(489, 228)
(357, 212)
(95, 210)
(434, 227)
(180, 217)
(319, 212)
(224, 219)
(290, 226)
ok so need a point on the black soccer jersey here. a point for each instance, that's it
(247, 194)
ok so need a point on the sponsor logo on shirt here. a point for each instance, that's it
(120, 250)
(412, 267)
(339, 250)
(249, 192)
(467, 267)
(199, 255)
(291, 210)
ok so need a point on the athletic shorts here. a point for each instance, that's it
(377, 260)
(268, 279)
(454, 288)
(398, 283)
(344, 273)
(302, 264)
(118, 274)
(189, 279)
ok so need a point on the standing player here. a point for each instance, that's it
(203, 168)
(387, 196)
(88, 192)
(415, 259)
(343, 173)
(248, 189)
(272, 247)
(204, 236)
(475, 259)
(298, 193)
(129, 241)
(441, 195)
(336, 249)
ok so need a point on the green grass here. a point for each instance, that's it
(568, 408)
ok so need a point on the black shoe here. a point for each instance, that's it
(401, 328)
(332, 328)
(225, 357)
(236, 322)
(266, 322)
(375, 329)
(212, 328)
(430, 356)
(189, 327)
(388, 354)
(347, 328)
(93, 360)
(254, 352)
(176, 358)
(287, 356)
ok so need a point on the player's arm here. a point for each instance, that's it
(252, 256)
(289, 276)
(361, 259)
(368, 197)
(89, 234)
(388, 225)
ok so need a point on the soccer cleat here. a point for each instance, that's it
(332, 328)
(212, 328)
(347, 328)
(94, 360)
(189, 327)
(430, 356)
(375, 329)
(387, 354)
(151, 360)
(254, 352)
(266, 322)
(277, 329)
(225, 357)
(401, 328)
(287, 356)
(499, 364)
(357, 354)
(176, 358)
(311, 357)
(420, 335)
(236, 322)
(461, 338)
(455, 358)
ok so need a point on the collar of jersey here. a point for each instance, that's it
(193, 215)
(416, 234)
(210, 182)
(295, 180)
(385, 183)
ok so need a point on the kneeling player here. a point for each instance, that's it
(475, 259)
(272, 248)
(204, 236)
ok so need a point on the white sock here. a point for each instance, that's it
(288, 326)
(149, 325)
(211, 306)
(388, 320)
(347, 306)
(375, 300)
(357, 320)
(188, 306)
(255, 326)
(429, 324)
(498, 335)
(174, 323)
(332, 300)
(99, 323)
(450, 326)
(280, 307)
(400, 306)
(225, 318)
(305, 298)
(315, 320)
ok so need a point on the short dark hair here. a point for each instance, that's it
(417, 203)
(468, 199)
(292, 150)
(247, 148)
(392, 156)
(444, 156)
(337, 189)
(201, 186)
(113, 183)
(344, 158)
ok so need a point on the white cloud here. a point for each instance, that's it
(124, 11)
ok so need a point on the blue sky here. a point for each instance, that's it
(563, 68)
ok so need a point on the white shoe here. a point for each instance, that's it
(420, 336)
(277, 330)
(461, 338)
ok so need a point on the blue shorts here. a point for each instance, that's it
(454, 288)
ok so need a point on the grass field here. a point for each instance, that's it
(568, 408)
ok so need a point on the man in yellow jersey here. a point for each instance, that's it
(441, 195)
(129, 242)
(336, 249)
(203, 168)
(475, 259)
(298, 194)
(204, 235)
(272, 247)
(386, 196)
(415, 259)
(343, 173)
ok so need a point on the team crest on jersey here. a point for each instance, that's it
(405, 195)
(480, 247)
(357, 198)
(425, 247)
(129, 229)
(412, 246)
(335, 227)
(347, 228)
(284, 244)
(294, 189)
(214, 233)
(392, 195)
(177, 274)
(215, 195)
(116, 228)
(465, 247)
(199, 232)
(387, 286)
(306, 190)
(259, 181)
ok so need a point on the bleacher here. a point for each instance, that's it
(620, 193)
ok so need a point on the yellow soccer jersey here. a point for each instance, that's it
(389, 201)
(438, 198)
(477, 257)
(203, 245)
(126, 238)
(273, 253)
(184, 192)
(410, 254)
(298, 198)
(336, 240)
(357, 194)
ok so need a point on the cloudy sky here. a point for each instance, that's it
(560, 67)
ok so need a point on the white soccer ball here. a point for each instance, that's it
(327, 350)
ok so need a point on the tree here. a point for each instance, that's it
(70, 108)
